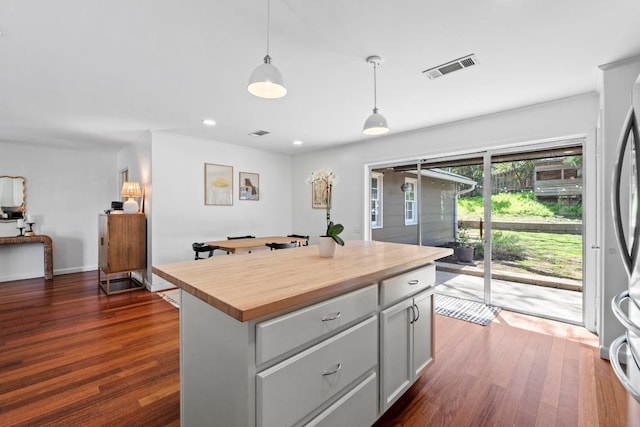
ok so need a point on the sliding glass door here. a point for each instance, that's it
(513, 219)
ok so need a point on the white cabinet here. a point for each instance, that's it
(396, 341)
(422, 332)
(285, 333)
(294, 388)
(406, 345)
(355, 409)
(339, 362)
(406, 340)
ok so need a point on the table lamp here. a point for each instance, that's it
(130, 189)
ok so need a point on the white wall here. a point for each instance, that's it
(66, 190)
(180, 216)
(617, 82)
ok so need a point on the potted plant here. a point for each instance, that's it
(464, 248)
(325, 177)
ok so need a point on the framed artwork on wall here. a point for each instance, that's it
(218, 184)
(249, 186)
(319, 195)
(123, 177)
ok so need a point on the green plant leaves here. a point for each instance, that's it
(333, 230)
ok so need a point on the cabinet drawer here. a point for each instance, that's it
(355, 409)
(288, 391)
(398, 287)
(277, 336)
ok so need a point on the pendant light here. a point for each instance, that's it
(376, 124)
(266, 80)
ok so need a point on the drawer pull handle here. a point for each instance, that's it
(413, 282)
(333, 371)
(332, 316)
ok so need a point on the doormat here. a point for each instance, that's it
(470, 311)
(172, 297)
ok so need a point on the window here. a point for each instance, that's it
(410, 208)
(376, 200)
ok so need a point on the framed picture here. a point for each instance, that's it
(319, 195)
(123, 177)
(249, 186)
(218, 184)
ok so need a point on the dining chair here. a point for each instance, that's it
(300, 236)
(276, 246)
(198, 248)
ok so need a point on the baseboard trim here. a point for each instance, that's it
(56, 272)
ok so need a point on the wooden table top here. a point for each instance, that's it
(235, 245)
(249, 286)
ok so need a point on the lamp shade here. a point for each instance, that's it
(130, 189)
(375, 124)
(266, 81)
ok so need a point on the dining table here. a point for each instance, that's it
(253, 243)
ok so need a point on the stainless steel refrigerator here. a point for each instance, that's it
(626, 305)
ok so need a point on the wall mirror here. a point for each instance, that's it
(13, 196)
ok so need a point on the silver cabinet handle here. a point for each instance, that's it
(417, 311)
(413, 314)
(332, 316)
(622, 317)
(333, 371)
(616, 345)
(413, 282)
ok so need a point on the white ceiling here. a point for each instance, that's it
(98, 73)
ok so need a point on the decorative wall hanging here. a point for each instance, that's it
(218, 184)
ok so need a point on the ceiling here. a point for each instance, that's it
(96, 74)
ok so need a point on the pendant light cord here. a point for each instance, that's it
(268, 23)
(375, 96)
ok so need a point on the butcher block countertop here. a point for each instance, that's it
(250, 286)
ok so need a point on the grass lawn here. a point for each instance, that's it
(549, 254)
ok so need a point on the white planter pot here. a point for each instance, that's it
(327, 246)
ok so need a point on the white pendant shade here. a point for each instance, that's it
(266, 81)
(375, 124)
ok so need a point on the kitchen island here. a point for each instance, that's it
(290, 338)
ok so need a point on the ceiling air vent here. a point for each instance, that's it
(259, 133)
(451, 66)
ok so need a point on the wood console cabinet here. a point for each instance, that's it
(122, 250)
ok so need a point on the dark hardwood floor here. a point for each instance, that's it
(70, 356)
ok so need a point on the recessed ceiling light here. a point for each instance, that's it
(209, 122)
(297, 142)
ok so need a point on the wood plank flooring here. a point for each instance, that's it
(70, 356)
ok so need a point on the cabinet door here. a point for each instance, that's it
(396, 352)
(126, 242)
(422, 332)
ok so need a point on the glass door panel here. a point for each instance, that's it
(536, 237)
(452, 211)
